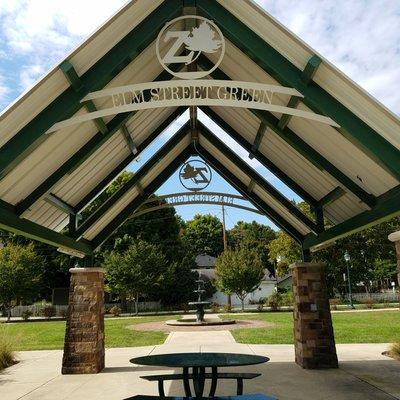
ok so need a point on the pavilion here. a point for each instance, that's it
(63, 141)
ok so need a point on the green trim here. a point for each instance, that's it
(6, 205)
(258, 139)
(70, 73)
(332, 196)
(300, 145)
(99, 122)
(252, 197)
(80, 156)
(131, 183)
(388, 206)
(99, 75)
(307, 76)
(59, 203)
(85, 201)
(20, 226)
(293, 185)
(128, 139)
(285, 119)
(319, 216)
(310, 69)
(287, 74)
(138, 200)
(258, 179)
(305, 255)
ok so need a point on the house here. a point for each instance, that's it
(205, 267)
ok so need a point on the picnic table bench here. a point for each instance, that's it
(198, 362)
(239, 376)
(257, 396)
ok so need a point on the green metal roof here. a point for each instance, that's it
(349, 174)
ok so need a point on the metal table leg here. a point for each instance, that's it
(214, 381)
(239, 386)
(198, 381)
(161, 388)
(186, 382)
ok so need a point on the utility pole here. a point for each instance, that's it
(229, 300)
(224, 229)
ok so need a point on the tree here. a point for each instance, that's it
(203, 235)
(20, 274)
(179, 283)
(252, 235)
(283, 251)
(138, 271)
(239, 272)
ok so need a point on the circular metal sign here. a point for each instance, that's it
(195, 175)
(178, 44)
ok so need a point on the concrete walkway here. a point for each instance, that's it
(364, 374)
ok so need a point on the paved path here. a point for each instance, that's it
(364, 374)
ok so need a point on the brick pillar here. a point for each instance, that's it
(313, 333)
(395, 237)
(84, 336)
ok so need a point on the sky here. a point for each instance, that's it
(360, 37)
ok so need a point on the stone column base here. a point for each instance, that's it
(84, 336)
(313, 333)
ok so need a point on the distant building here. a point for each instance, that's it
(205, 266)
(205, 261)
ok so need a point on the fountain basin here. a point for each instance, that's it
(205, 322)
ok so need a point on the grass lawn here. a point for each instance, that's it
(354, 327)
(50, 335)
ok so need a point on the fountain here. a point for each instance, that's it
(200, 305)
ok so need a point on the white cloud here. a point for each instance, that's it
(358, 36)
(4, 89)
(361, 37)
(42, 32)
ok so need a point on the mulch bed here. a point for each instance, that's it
(163, 327)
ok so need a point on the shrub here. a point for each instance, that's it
(7, 357)
(395, 350)
(369, 303)
(334, 303)
(227, 308)
(260, 306)
(49, 312)
(26, 315)
(215, 307)
(63, 313)
(287, 299)
(274, 301)
(115, 311)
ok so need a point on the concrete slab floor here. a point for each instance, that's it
(364, 374)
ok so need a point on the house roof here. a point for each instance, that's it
(205, 260)
(349, 174)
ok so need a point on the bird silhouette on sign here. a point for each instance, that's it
(197, 175)
(202, 39)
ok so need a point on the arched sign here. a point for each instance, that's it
(189, 198)
(203, 37)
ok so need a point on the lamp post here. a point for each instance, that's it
(347, 259)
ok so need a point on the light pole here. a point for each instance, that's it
(347, 259)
